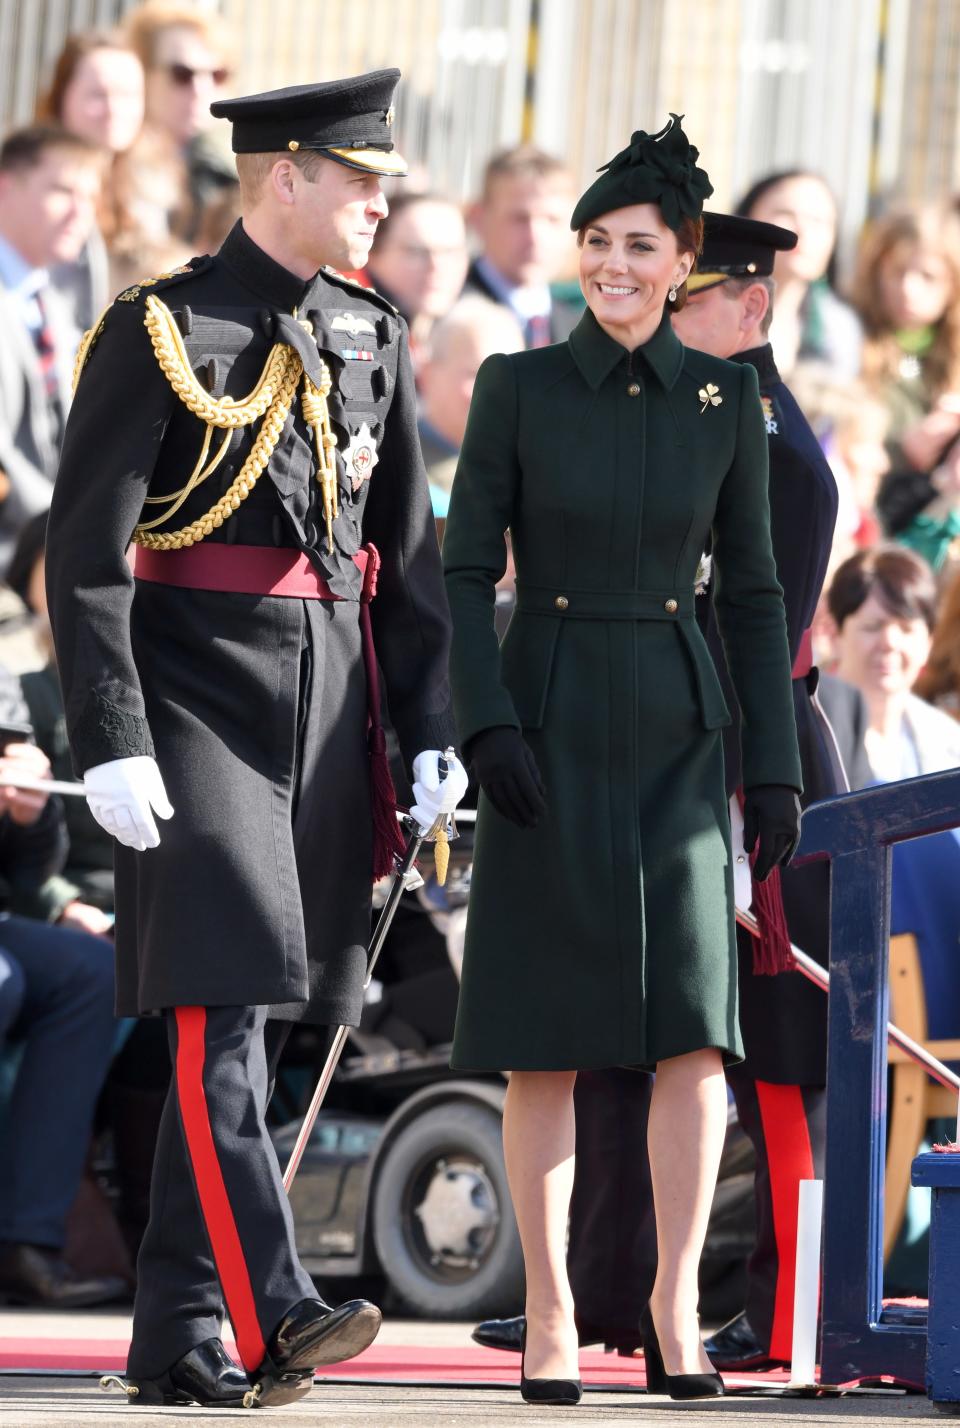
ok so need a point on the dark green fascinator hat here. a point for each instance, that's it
(654, 168)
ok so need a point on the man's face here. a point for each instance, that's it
(48, 212)
(524, 225)
(422, 260)
(186, 76)
(335, 217)
(711, 322)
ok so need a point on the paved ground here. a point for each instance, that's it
(36, 1401)
(40, 1403)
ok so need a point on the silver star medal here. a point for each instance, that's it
(361, 457)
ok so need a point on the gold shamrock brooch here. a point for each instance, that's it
(710, 396)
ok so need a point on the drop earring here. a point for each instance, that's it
(672, 294)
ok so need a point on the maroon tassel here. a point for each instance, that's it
(388, 841)
(771, 950)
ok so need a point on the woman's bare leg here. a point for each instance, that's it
(538, 1145)
(688, 1119)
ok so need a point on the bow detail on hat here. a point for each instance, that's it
(663, 166)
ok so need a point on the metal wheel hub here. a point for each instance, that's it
(459, 1213)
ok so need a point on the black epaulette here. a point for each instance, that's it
(361, 290)
(165, 280)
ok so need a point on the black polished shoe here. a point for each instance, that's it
(736, 1346)
(561, 1392)
(205, 1375)
(43, 1279)
(507, 1334)
(310, 1335)
(677, 1385)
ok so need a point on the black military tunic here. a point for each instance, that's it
(255, 706)
(783, 1019)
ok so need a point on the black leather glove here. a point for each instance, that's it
(771, 812)
(506, 770)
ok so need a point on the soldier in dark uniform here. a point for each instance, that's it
(779, 1088)
(249, 423)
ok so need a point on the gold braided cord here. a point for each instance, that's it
(247, 477)
(200, 472)
(86, 342)
(316, 414)
(175, 364)
(272, 398)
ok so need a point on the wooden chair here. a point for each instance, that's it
(913, 1097)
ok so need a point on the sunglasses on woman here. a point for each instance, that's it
(184, 74)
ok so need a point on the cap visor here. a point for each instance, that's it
(372, 161)
(699, 282)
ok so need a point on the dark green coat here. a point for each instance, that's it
(605, 936)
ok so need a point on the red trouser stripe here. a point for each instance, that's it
(214, 1201)
(790, 1160)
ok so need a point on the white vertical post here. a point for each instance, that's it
(806, 1294)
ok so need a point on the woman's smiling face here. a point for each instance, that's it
(628, 261)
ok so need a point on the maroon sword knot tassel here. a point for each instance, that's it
(771, 950)
(388, 842)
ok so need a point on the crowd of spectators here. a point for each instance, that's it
(122, 175)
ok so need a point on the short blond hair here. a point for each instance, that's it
(253, 170)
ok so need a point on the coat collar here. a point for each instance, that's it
(259, 272)
(762, 359)
(596, 353)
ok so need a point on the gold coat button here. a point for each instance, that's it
(561, 602)
(634, 389)
(671, 607)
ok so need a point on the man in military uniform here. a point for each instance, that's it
(780, 1087)
(249, 422)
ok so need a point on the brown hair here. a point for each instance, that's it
(144, 25)
(25, 148)
(76, 48)
(253, 169)
(898, 579)
(933, 227)
(689, 236)
(523, 161)
(941, 675)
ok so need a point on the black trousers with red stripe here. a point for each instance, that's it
(788, 1128)
(220, 1232)
(612, 1253)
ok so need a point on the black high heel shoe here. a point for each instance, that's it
(561, 1392)
(677, 1385)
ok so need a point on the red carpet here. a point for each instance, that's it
(379, 1364)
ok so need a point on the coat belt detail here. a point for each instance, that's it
(605, 604)
(268, 570)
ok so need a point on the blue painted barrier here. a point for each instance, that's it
(859, 1338)
(942, 1174)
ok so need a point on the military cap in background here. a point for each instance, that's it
(735, 247)
(347, 120)
(654, 168)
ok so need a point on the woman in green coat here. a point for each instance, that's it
(601, 926)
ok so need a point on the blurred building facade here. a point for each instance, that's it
(866, 92)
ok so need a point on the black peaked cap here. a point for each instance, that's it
(735, 247)
(348, 120)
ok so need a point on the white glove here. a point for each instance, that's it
(123, 796)
(431, 796)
